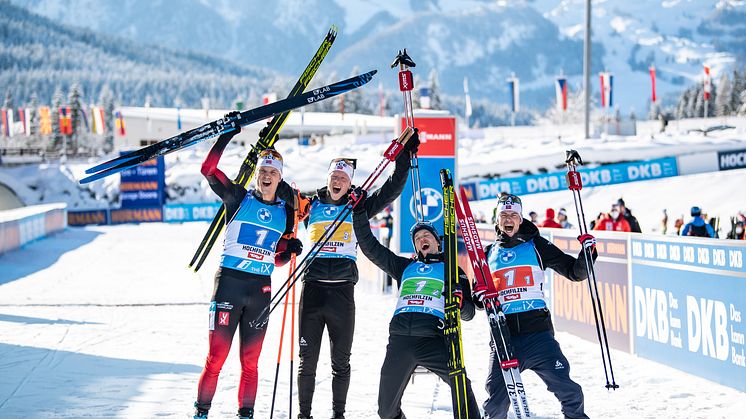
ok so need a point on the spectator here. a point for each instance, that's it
(634, 225)
(613, 221)
(599, 217)
(534, 217)
(664, 222)
(737, 230)
(549, 221)
(678, 224)
(698, 227)
(562, 218)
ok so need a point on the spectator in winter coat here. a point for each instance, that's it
(532, 215)
(549, 221)
(562, 218)
(613, 221)
(737, 232)
(634, 225)
(698, 227)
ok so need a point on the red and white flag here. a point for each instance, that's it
(607, 86)
(560, 90)
(653, 98)
(707, 83)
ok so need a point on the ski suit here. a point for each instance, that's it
(517, 266)
(255, 237)
(415, 332)
(328, 295)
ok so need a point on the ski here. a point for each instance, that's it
(396, 147)
(452, 329)
(246, 172)
(499, 331)
(224, 125)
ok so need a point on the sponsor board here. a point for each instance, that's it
(81, 218)
(136, 215)
(143, 185)
(729, 160)
(179, 213)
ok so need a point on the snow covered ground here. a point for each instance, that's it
(108, 322)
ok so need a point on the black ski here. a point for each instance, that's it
(222, 126)
(246, 172)
(452, 329)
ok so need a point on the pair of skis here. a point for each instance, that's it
(499, 332)
(223, 126)
(452, 320)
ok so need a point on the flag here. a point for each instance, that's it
(85, 119)
(652, 82)
(178, 118)
(97, 120)
(560, 90)
(707, 83)
(23, 119)
(514, 92)
(4, 120)
(45, 120)
(9, 123)
(268, 98)
(119, 123)
(467, 111)
(424, 98)
(66, 123)
(607, 92)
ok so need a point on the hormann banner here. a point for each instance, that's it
(144, 185)
(573, 310)
(689, 299)
(603, 175)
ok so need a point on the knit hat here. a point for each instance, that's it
(696, 211)
(424, 225)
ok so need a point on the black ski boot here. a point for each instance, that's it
(199, 413)
(338, 415)
(246, 413)
(302, 416)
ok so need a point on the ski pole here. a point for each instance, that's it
(406, 84)
(575, 184)
(390, 155)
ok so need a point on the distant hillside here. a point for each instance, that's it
(38, 55)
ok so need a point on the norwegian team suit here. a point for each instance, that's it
(415, 332)
(242, 284)
(328, 295)
(517, 265)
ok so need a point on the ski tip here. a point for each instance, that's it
(110, 163)
(333, 31)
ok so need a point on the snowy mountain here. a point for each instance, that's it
(485, 40)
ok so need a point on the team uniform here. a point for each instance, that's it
(253, 243)
(416, 329)
(328, 295)
(517, 266)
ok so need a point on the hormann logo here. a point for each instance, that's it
(427, 136)
(729, 160)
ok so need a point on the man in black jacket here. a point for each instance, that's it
(328, 295)
(416, 330)
(517, 260)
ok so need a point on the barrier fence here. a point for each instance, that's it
(24, 225)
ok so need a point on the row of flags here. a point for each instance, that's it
(93, 121)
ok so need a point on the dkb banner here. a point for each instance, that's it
(689, 299)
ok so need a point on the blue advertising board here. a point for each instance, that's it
(179, 213)
(598, 176)
(144, 185)
(688, 302)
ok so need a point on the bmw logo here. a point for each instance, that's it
(506, 256)
(432, 204)
(330, 211)
(264, 215)
(424, 269)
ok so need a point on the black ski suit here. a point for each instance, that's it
(531, 331)
(415, 338)
(328, 295)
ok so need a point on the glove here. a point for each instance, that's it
(479, 292)
(264, 131)
(587, 241)
(294, 246)
(414, 143)
(458, 294)
(357, 198)
(231, 120)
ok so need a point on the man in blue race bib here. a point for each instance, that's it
(416, 329)
(517, 260)
(258, 234)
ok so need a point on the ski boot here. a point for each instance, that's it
(246, 413)
(199, 413)
(338, 415)
(302, 416)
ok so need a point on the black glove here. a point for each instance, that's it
(231, 120)
(294, 246)
(357, 199)
(265, 131)
(414, 142)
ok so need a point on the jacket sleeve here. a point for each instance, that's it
(467, 305)
(391, 189)
(218, 181)
(550, 256)
(380, 255)
(288, 194)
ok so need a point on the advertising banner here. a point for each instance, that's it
(179, 213)
(729, 160)
(689, 300)
(81, 218)
(573, 309)
(437, 151)
(598, 176)
(144, 185)
(136, 215)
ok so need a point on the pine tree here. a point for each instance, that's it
(435, 100)
(106, 97)
(55, 111)
(354, 99)
(681, 107)
(76, 114)
(416, 92)
(691, 105)
(723, 98)
(34, 123)
(739, 86)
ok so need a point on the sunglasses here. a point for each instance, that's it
(270, 152)
(510, 199)
(351, 162)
